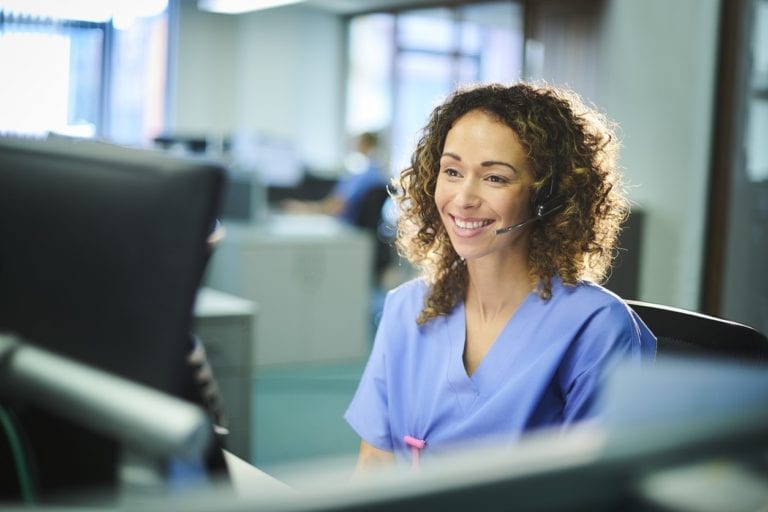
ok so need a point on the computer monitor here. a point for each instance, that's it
(681, 434)
(102, 249)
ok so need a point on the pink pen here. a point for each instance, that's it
(416, 446)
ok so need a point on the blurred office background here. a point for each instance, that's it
(277, 94)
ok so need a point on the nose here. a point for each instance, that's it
(467, 196)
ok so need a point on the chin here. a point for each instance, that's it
(469, 255)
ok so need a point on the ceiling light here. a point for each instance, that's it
(240, 6)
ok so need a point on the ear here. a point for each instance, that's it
(544, 202)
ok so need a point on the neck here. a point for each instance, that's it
(496, 290)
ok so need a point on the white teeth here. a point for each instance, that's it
(470, 225)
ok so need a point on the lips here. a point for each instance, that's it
(470, 224)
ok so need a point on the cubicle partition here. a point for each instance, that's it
(310, 277)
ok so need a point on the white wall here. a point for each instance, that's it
(277, 72)
(658, 71)
(280, 71)
(205, 72)
(290, 80)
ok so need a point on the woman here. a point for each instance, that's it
(511, 208)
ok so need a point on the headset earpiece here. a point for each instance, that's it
(541, 207)
(546, 204)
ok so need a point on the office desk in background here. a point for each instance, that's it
(225, 324)
(311, 278)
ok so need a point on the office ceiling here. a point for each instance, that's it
(358, 6)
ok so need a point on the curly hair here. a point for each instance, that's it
(572, 150)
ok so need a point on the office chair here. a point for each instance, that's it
(686, 333)
(369, 219)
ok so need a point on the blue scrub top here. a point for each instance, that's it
(543, 370)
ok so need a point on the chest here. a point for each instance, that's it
(480, 337)
(445, 398)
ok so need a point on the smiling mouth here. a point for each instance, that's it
(469, 225)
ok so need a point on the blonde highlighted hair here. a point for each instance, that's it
(572, 150)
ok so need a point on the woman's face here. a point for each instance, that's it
(483, 185)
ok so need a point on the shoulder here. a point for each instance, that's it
(409, 295)
(599, 314)
(418, 285)
(586, 310)
(398, 333)
(402, 307)
(586, 298)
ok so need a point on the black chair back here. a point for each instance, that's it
(681, 332)
(370, 218)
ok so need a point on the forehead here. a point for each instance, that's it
(480, 132)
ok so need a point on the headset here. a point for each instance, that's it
(542, 207)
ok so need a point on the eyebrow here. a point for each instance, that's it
(487, 163)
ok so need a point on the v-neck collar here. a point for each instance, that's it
(490, 370)
(465, 390)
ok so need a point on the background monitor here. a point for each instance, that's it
(102, 249)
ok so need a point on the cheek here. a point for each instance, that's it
(512, 206)
(440, 197)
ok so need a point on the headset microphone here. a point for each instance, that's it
(542, 211)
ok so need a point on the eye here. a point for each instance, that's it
(495, 178)
(451, 172)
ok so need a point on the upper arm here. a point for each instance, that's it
(332, 205)
(609, 335)
(369, 413)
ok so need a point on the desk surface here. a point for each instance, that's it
(215, 303)
(281, 227)
(250, 481)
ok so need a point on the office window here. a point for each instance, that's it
(137, 92)
(90, 68)
(402, 64)
(371, 53)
